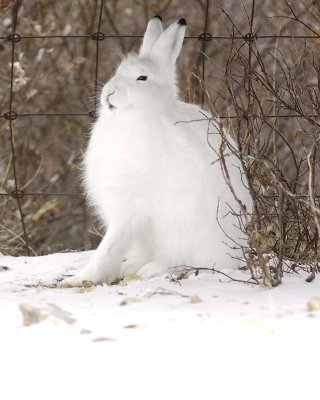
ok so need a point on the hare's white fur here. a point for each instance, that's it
(150, 173)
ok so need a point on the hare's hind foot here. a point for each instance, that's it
(151, 269)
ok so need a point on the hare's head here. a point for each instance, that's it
(148, 77)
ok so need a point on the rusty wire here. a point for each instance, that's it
(205, 37)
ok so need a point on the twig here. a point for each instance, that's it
(214, 270)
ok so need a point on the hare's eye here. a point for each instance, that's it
(142, 78)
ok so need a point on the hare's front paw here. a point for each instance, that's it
(150, 270)
(73, 281)
(88, 274)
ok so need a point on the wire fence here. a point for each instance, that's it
(15, 38)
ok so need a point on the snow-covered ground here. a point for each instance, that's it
(203, 338)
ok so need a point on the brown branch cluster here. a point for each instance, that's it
(280, 155)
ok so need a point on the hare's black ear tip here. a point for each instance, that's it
(182, 21)
(158, 16)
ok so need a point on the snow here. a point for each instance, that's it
(204, 338)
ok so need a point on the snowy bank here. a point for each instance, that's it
(204, 337)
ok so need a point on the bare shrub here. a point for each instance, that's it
(273, 114)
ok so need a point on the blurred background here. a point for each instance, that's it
(57, 75)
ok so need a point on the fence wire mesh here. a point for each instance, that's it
(202, 40)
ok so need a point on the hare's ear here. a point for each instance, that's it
(153, 32)
(168, 46)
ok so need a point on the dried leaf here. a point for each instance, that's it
(40, 54)
(50, 285)
(87, 284)
(194, 299)
(148, 294)
(50, 206)
(133, 326)
(128, 300)
(313, 303)
(103, 339)
(311, 277)
(85, 331)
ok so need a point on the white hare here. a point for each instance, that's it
(150, 173)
